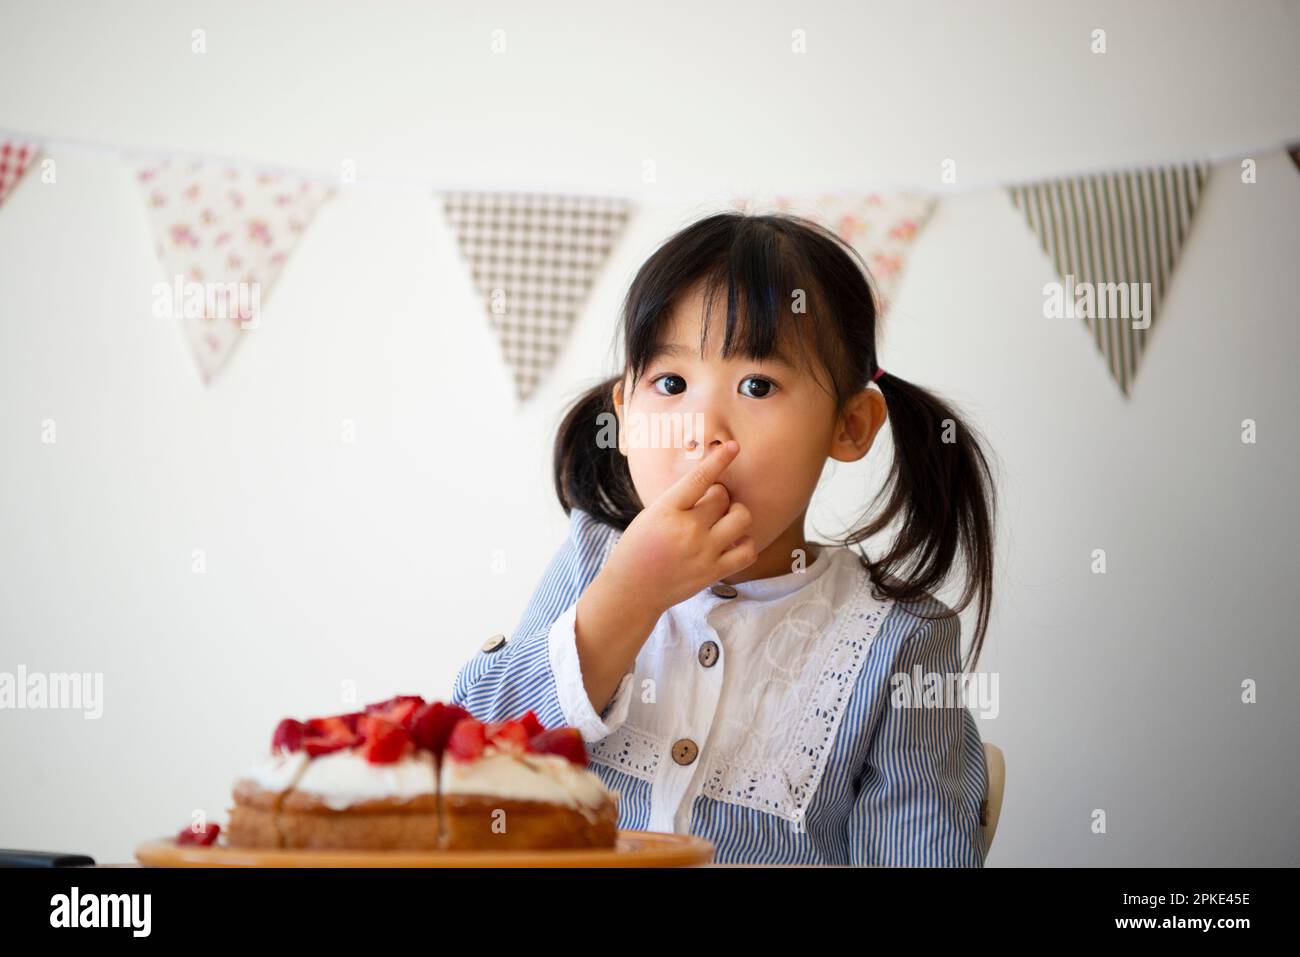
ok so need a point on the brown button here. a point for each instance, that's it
(723, 590)
(709, 654)
(685, 751)
(493, 643)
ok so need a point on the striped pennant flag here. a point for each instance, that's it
(1126, 227)
(534, 258)
(15, 157)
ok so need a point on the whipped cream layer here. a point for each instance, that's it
(525, 777)
(278, 772)
(343, 778)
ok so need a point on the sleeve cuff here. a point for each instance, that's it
(572, 693)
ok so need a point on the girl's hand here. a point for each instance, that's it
(690, 536)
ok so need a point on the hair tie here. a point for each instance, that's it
(879, 373)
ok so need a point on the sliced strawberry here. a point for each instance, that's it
(385, 742)
(390, 702)
(288, 735)
(403, 713)
(563, 741)
(325, 735)
(506, 736)
(352, 719)
(467, 739)
(531, 725)
(315, 747)
(331, 725)
(399, 710)
(432, 724)
(203, 837)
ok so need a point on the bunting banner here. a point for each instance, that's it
(882, 227)
(223, 231)
(16, 156)
(1115, 239)
(533, 258)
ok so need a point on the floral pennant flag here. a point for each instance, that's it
(223, 231)
(15, 157)
(882, 227)
(1115, 239)
(533, 258)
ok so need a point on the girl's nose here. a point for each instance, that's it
(694, 444)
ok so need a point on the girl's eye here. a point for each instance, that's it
(763, 387)
(669, 384)
(672, 378)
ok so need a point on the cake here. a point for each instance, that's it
(406, 774)
(518, 785)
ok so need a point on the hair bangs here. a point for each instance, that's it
(775, 307)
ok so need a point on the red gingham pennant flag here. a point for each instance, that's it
(15, 158)
(534, 258)
(223, 231)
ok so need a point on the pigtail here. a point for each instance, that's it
(590, 472)
(940, 491)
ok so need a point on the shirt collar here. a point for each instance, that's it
(760, 589)
(779, 586)
(704, 601)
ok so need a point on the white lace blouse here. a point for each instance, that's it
(762, 721)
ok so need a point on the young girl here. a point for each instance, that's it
(732, 679)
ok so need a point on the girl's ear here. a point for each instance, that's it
(617, 395)
(856, 428)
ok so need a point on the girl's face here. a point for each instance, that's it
(782, 417)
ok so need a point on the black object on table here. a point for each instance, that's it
(14, 857)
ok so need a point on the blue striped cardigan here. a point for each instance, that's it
(898, 786)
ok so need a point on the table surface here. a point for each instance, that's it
(137, 864)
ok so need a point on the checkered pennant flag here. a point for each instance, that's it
(15, 157)
(534, 258)
(1121, 233)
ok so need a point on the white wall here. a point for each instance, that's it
(372, 563)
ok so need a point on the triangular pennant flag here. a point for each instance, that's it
(882, 227)
(16, 156)
(223, 231)
(534, 258)
(1110, 231)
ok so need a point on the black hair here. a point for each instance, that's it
(939, 488)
